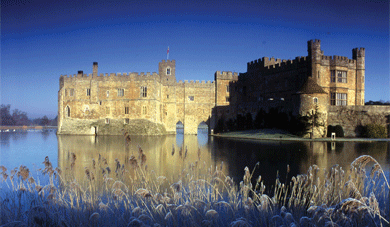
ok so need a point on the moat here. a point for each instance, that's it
(169, 155)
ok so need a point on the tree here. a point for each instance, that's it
(259, 120)
(248, 121)
(5, 116)
(45, 121)
(20, 118)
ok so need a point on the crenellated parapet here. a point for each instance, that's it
(275, 65)
(338, 61)
(110, 77)
(226, 75)
(195, 84)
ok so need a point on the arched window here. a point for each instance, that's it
(315, 99)
(67, 111)
(168, 71)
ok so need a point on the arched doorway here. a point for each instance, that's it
(203, 133)
(179, 127)
(179, 134)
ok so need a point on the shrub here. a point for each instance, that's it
(375, 131)
(259, 120)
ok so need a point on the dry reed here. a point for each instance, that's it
(135, 196)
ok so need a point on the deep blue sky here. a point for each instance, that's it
(40, 40)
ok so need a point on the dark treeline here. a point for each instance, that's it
(272, 119)
(380, 103)
(19, 118)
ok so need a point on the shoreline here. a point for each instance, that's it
(278, 135)
(26, 127)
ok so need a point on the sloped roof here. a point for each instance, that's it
(311, 87)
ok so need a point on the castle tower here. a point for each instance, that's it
(314, 55)
(167, 70)
(359, 56)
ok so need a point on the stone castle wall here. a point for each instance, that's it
(351, 117)
(92, 104)
(268, 83)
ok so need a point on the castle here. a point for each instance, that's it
(152, 103)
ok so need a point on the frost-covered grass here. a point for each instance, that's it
(130, 195)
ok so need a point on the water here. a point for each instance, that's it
(30, 148)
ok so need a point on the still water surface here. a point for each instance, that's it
(169, 155)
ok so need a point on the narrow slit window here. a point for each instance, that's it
(144, 110)
(88, 92)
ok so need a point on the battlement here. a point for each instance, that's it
(132, 75)
(168, 61)
(225, 75)
(358, 53)
(338, 61)
(314, 44)
(266, 63)
(195, 83)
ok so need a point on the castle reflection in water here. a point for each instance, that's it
(210, 152)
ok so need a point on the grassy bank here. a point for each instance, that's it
(129, 194)
(277, 134)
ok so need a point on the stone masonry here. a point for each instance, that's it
(152, 103)
(145, 103)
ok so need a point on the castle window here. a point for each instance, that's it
(88, 92)
(144, 91)
(191, 98)
(108, 93)
(107, 110)
(227, 98)
(127, 120)
(227, 88)
(126, 110)
(144, 110)
(107, 121)
(121, 92)
(72, 92)
(100, 103)
(168, 71)
(315, 100)
(67, 111)
(167, 96)
(341, 76)
(338, 99)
